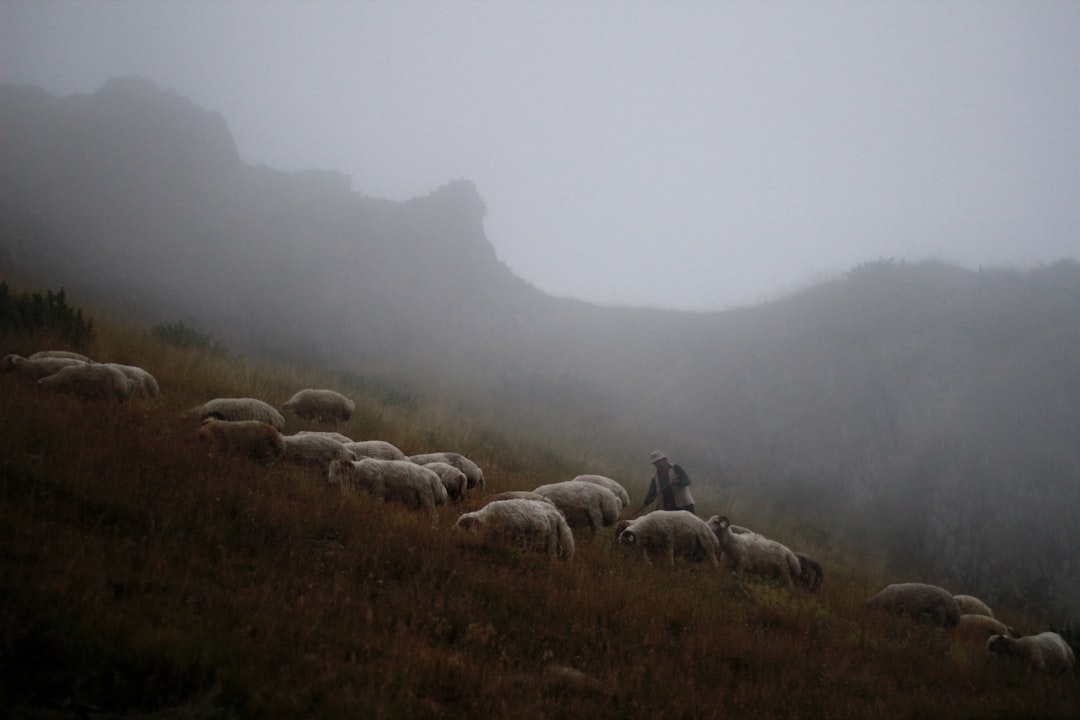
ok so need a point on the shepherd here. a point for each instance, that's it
(671, 483)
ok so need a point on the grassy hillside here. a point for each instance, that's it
(142, 578)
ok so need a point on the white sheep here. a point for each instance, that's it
(253, 438)
(320, 405)
(315, 450)
(612, 485)
(376, 449)
(462, 463)
(343, 439)
(531, 524)
(976, 626)
(1047, 652)
(64, 354)
(239, 409)
(145, 384)
(971, 605)
(675, 532)
(919, 601)
(391, 480)
(91, 381)
(512, 495)
(584, 504)
(754, 553)
(453, 480)
(37, 368)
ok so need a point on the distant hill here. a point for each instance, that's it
(918, 410)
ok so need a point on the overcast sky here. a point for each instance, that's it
(699, 155)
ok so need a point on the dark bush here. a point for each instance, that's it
(35, 312)
(181, 335)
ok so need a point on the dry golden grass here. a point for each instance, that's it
(142, 578)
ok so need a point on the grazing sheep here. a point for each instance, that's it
(343, 439)
(1047, 652)
(315, 450)
(397, 480)
(376, 449)
(239, 409)
(811, 576)
(976, 626)
(584, 504)
(253, 438)
(612, 485)
(452, 479)
(512, 495)
(320, 406)
(90, 380)
(675, 532)
(64, 354)
(37, 368)
(531, 524)
(971, 605)
(145, 384)
(919, 601)
(750, 552)
(462, 463)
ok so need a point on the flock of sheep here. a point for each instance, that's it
(1047, 652)
(542, 519)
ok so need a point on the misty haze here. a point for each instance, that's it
(841, 286)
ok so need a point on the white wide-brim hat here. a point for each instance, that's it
(656, 456)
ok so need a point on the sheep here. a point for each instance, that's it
(239, 409)
(37, 368)
(750, 552)
(513, 495)
(315, 450)
(919, 601)
(63, 354)
(343, 439)
(91, 381)
(584, 504)
(675, 532)
(531, 524)
(1047, 652)
(976, 626)
(253, 438)
(320, 406)
(397, 480)
(462, 463)
(810, 573)
(376, 449)
(612, 485)
(452, 479)
(971, 605)
(145, 384)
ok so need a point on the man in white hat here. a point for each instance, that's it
(670, 482)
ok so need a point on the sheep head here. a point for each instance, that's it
(719, 523)
(1001, 645)
(468, 522)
